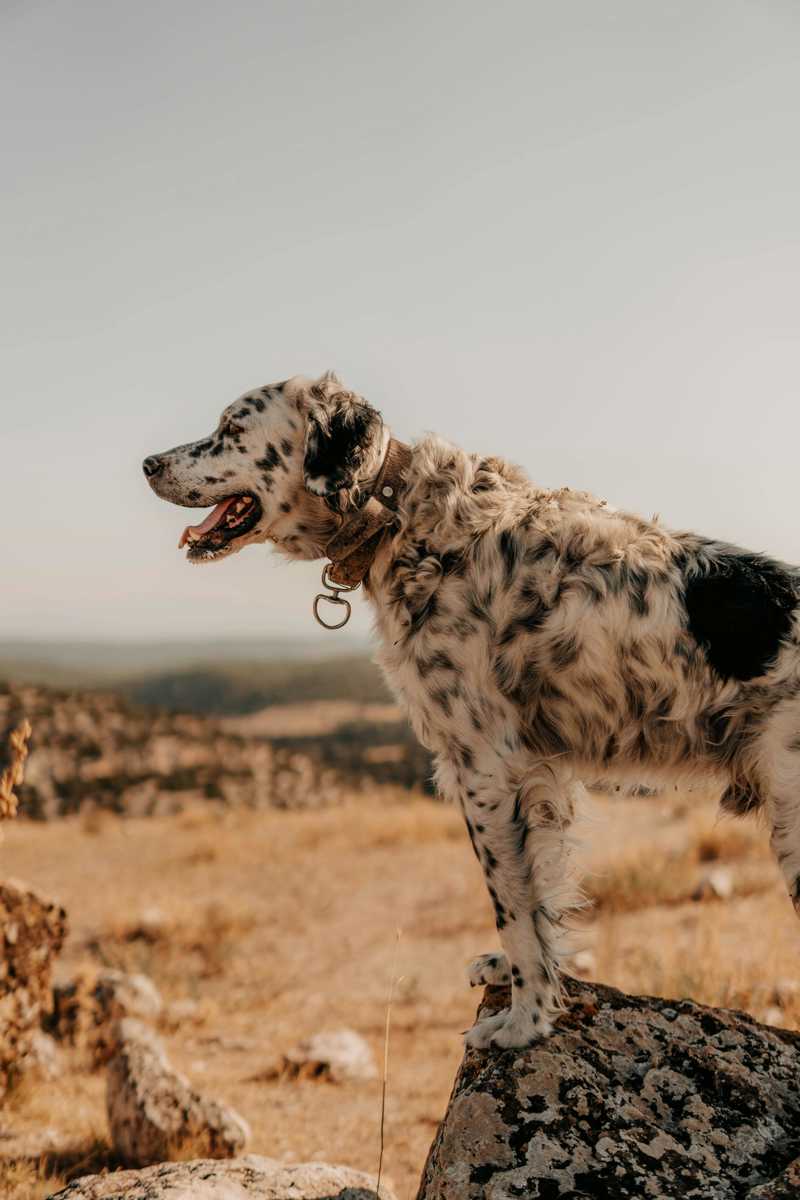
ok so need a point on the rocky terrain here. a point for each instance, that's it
(92, 751)
(234, 941)
(631, 1098)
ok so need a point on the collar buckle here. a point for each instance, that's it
(333, 596)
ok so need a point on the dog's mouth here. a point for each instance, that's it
(229, 520)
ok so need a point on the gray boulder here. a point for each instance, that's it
(631, 1098)
(250, 1178)
(154, 1114)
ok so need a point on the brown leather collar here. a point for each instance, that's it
(352, 551)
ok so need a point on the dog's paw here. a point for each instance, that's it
(508, 1029)
(480, 1036)
(488, 970)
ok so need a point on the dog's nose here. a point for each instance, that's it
(152, 465)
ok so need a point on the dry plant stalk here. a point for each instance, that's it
(14, 773)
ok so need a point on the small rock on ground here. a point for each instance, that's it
(337, 1056)
(717, 883)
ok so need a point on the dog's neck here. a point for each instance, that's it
(352, 549)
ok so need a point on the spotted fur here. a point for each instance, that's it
(536, 638)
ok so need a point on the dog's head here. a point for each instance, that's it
(284, 463)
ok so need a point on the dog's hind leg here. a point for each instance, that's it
(518, 824)
(779, 771)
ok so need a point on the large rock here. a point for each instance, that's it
(250, 1178)
(631, 1097)
(154, 1114)
(86, 1011)
(32, 930)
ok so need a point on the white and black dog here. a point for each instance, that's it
(536, 638)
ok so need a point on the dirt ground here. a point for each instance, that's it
(264, 927)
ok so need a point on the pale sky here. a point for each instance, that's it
(564, 232)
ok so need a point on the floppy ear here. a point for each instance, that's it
(344, 439)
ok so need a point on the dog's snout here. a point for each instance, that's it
(152, 465)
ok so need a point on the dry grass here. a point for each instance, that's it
(182, 946)
(53, 1133)
(272, 926)
(637, 878)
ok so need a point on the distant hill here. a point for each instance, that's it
(231, 689)
(93, 661)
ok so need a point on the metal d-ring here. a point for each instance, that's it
(335, 597)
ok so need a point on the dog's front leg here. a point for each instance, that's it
(520, 841)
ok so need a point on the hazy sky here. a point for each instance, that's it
(568, 233)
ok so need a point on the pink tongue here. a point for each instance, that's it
(216, 515)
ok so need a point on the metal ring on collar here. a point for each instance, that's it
(332, 600)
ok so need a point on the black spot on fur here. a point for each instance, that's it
(437, 662)
(505, 674)
(637, 581)
(285, 506)
(286, 447)
(270, 460)
(452, 563)
(423, 614)
(564, 650)
(466, 756)
(519, 826)
(338, 441)
(257, 403)
(739, 609)
(509, 551)
(738, 799)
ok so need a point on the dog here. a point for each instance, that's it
(535, 638)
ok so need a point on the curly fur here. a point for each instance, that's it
(539, 638)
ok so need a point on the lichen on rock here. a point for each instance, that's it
(249, 1178)
(631, 1098)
